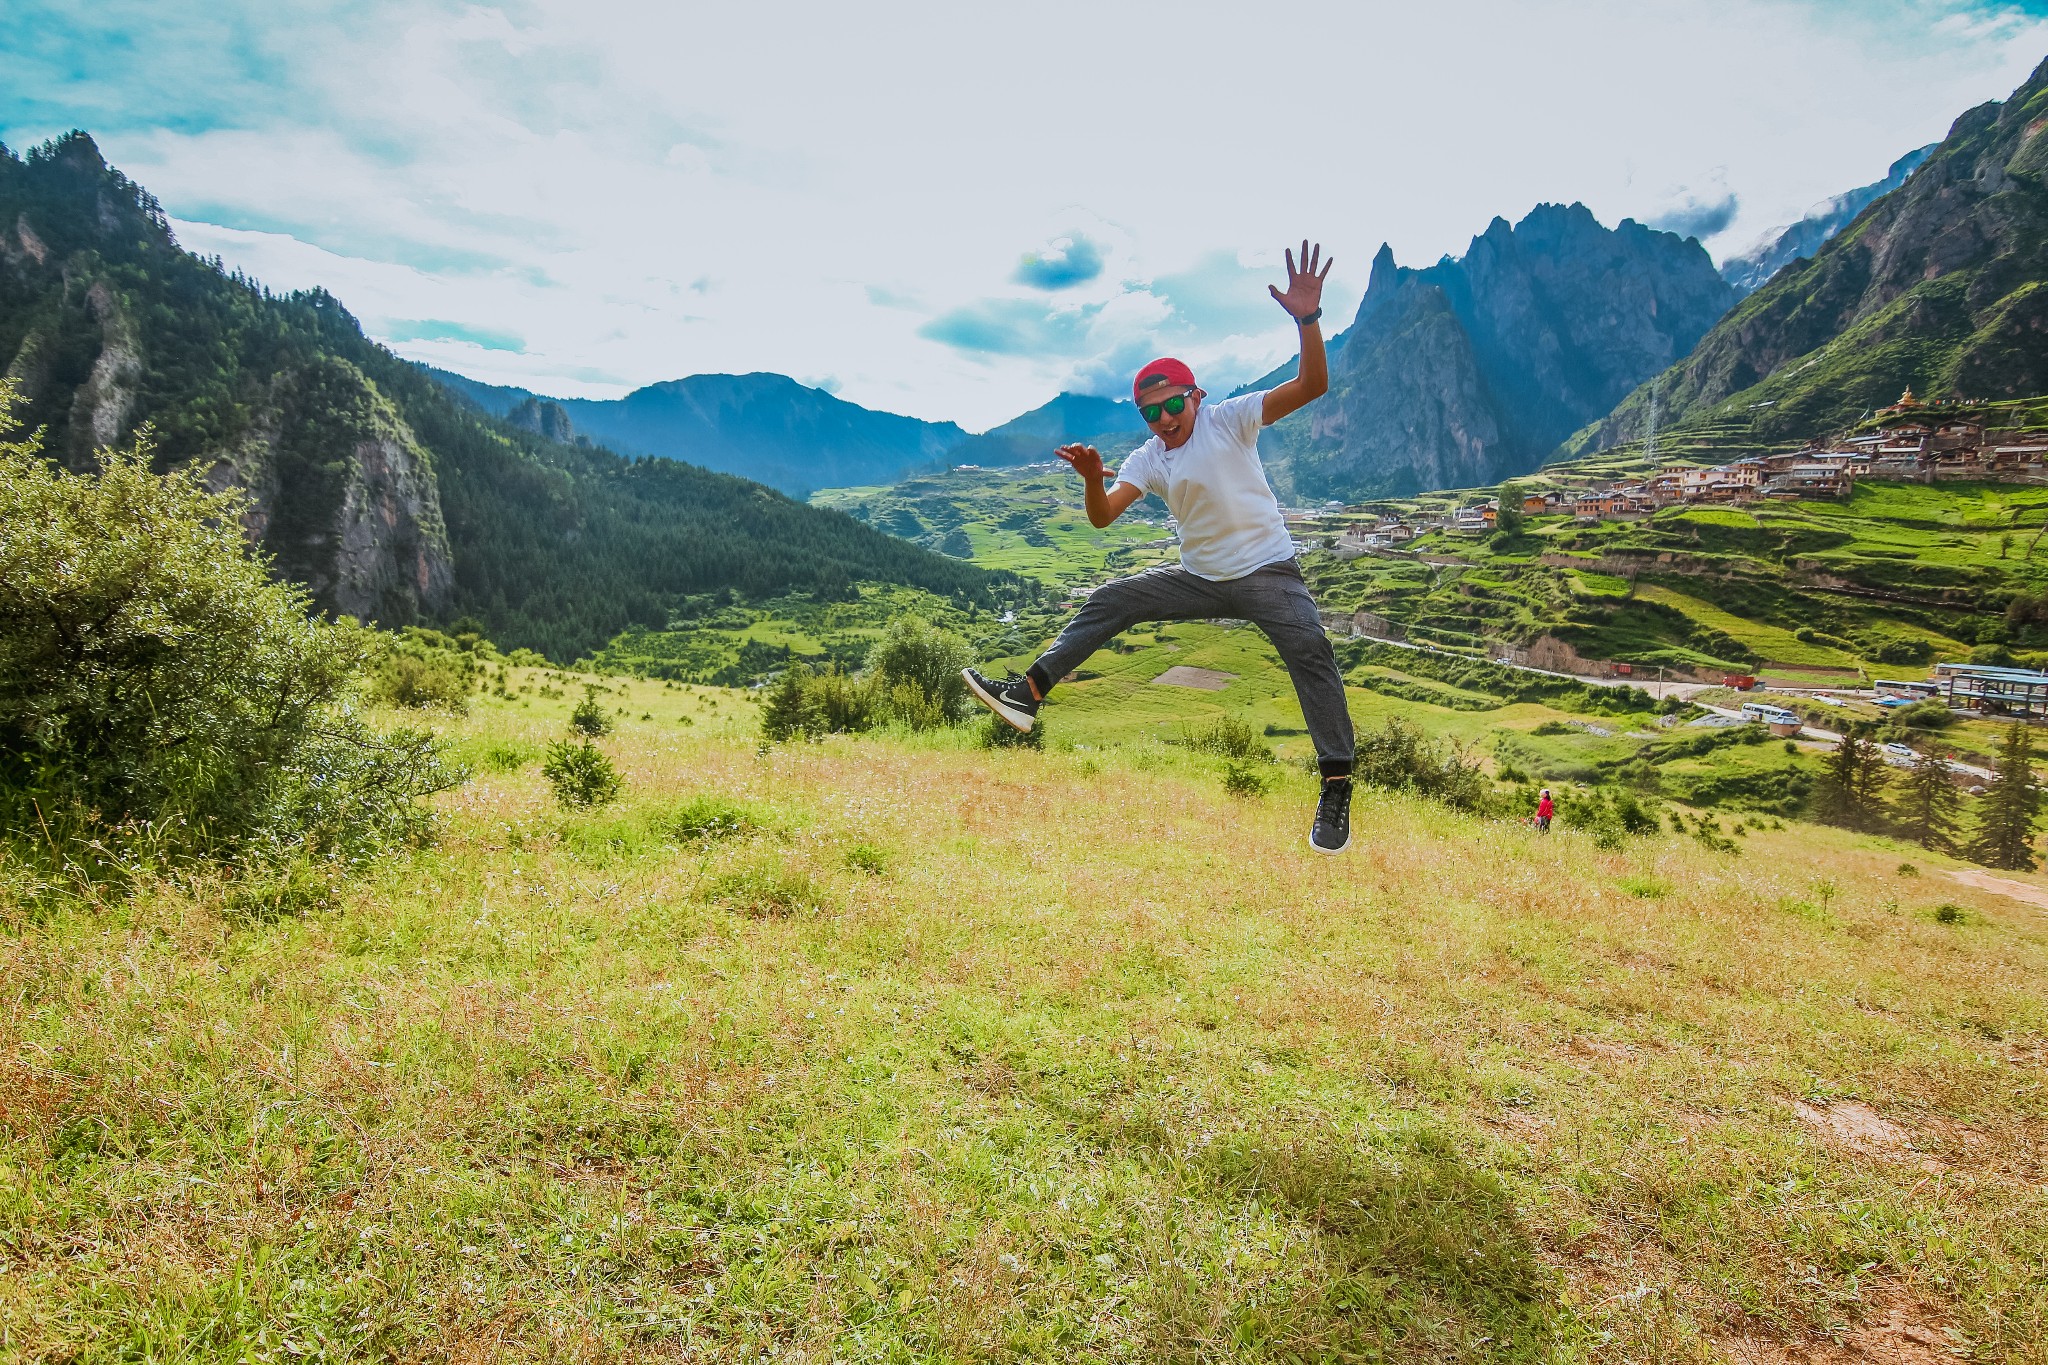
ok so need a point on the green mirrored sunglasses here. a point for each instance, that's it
(1172, 407)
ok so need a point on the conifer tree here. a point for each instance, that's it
(1851, 792)
(1928, 804)
(2005, 831)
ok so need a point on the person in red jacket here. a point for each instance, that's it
(1544, 810)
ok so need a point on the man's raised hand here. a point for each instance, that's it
(1086, 460)
(1304, 285)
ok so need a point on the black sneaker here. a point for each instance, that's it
(1011, 698)
(1331, 832)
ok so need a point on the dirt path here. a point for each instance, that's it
(2003, 886)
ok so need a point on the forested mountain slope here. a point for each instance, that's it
(764, 427)
(387, 496)
(1941, 285)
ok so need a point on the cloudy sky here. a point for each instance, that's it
(954, 210)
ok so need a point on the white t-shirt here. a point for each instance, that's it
(1230, 522)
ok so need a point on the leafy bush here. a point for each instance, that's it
(768, 892)
(806, 705)
(869, 859)
(703, 819)
(589, 718)
(1398, 757)
(1229, 737)
(1609, 817)
(917, 658)
(580, 773)
(415, 680)
(162, 695)
(1896, 649)
(507, 757)
(1242, 779)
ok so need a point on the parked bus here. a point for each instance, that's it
(1783, 723)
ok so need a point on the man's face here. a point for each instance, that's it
(1172, 428)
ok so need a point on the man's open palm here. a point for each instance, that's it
(1304, 285)
(1086, 460)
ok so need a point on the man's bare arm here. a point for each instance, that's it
(1304, 298)
(1104, 504)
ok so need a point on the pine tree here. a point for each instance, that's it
(1928, 806)
(2005, 831)
(1851, 792)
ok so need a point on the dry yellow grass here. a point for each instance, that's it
(953, 1055)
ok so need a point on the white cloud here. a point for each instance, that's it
(638, 191)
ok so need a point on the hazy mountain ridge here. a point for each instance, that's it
(1112, 424)
(761, 426)
(1751, 270)
(369, 481)
(1941, 284)
(1473, 369)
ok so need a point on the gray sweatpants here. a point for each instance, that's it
(1273, 598)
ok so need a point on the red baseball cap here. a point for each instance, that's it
(1163, 371)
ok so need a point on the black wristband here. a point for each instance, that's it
(1303, 322)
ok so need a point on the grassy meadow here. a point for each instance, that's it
(893, 1049)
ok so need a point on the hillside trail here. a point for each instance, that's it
(2003, 886)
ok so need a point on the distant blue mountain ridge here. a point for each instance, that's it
(792, 437)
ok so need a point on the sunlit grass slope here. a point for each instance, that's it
(892, 1049)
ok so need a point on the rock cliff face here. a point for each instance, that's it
(341, 492)
(1472, 370)
(1941, 284)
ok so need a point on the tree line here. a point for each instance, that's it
(1857, 790)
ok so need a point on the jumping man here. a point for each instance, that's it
(1236, 558)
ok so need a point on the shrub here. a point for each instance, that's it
(869, 859)
(589, 718)
(1242, 779)
(506, 757)
(768, 892)
(161, 692)
(1399, 758)
(1949, 913)
(802, 704)
(292, 889)
(421, 681)
(1609, 818)
(703, 819)
(1230, 737)
(918, 655)
(580, 774)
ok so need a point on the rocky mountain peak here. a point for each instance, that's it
(1472, 369)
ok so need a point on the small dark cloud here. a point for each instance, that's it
(1009, 327)
(1694, 217)
(1063, 263)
